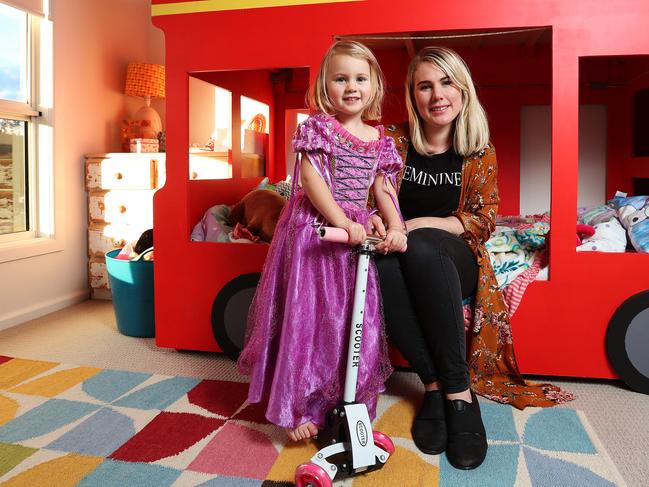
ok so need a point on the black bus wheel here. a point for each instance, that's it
(230, 313)
(627, 341)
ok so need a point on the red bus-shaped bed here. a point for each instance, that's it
(562, 84)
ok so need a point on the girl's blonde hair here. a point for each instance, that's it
(470, 128)
(319, 100)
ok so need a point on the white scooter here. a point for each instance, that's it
(348, 445)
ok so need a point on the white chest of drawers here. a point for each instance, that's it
(120, 190)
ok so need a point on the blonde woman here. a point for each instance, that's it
(449, 198)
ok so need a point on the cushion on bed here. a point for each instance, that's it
(594, 215)
(282, 188)
(214, 226)
(633, 213)
(609, 237)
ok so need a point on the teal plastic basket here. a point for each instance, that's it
(131, 282)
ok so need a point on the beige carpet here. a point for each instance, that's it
(86, 334)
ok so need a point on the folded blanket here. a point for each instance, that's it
(513, 292)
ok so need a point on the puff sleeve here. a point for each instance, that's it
(314, 137)
(315, 133)
(389, 163)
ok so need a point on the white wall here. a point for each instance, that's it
(536, 154)
(202, 97)
(536, 139)
(592, 155)
(93, 42)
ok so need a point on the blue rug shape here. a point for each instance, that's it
(159, 395)
(113, 473)
(546, 471)
(45, 418)
(499, 422)
(498, 470)
(109, 385)
(99, 435)
(231, 482)
(557, 429)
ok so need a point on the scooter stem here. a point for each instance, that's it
(356, 332)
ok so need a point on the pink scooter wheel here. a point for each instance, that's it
(311, 475)
(383, 441)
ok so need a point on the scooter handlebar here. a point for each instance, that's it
(339, 235)
(333, 234)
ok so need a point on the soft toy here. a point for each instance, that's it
(242, 233)
(144, 242)
(258, 212)
(584, 231)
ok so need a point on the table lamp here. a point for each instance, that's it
(146, 81)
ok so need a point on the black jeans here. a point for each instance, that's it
(422, 291)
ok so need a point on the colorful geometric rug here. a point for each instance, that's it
(65, 425)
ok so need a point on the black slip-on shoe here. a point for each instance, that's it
(429, 427)
(466, 448)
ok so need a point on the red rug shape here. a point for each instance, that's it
(4, 359)
(219, 397)
(237, 451)
(166, 435)
(255, 413)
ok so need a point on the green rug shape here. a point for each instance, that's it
(12, 455)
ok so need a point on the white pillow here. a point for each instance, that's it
(609, 237)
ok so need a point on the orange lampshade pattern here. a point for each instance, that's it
(144, 79)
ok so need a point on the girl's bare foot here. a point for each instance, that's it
(302, 432)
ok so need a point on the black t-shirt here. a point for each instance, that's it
(431, 184)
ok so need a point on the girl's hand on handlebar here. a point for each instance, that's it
(356, 232)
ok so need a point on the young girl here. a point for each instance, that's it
(300, 316)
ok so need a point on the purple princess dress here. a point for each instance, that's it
(299, 319)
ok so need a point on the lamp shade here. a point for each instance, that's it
(145, 80)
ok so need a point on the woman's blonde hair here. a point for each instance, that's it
(319, 100)
(470, 128)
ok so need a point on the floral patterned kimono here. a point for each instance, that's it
(492, 364)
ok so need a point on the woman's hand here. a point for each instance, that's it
(395, 240)
(376, 226)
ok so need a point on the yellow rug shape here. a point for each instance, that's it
(402, 468)
(293, 455)
(54, 384)
(8, 409)
(397, 420)
(19, 370)
(65, 471)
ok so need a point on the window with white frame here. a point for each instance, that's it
(25, 131)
